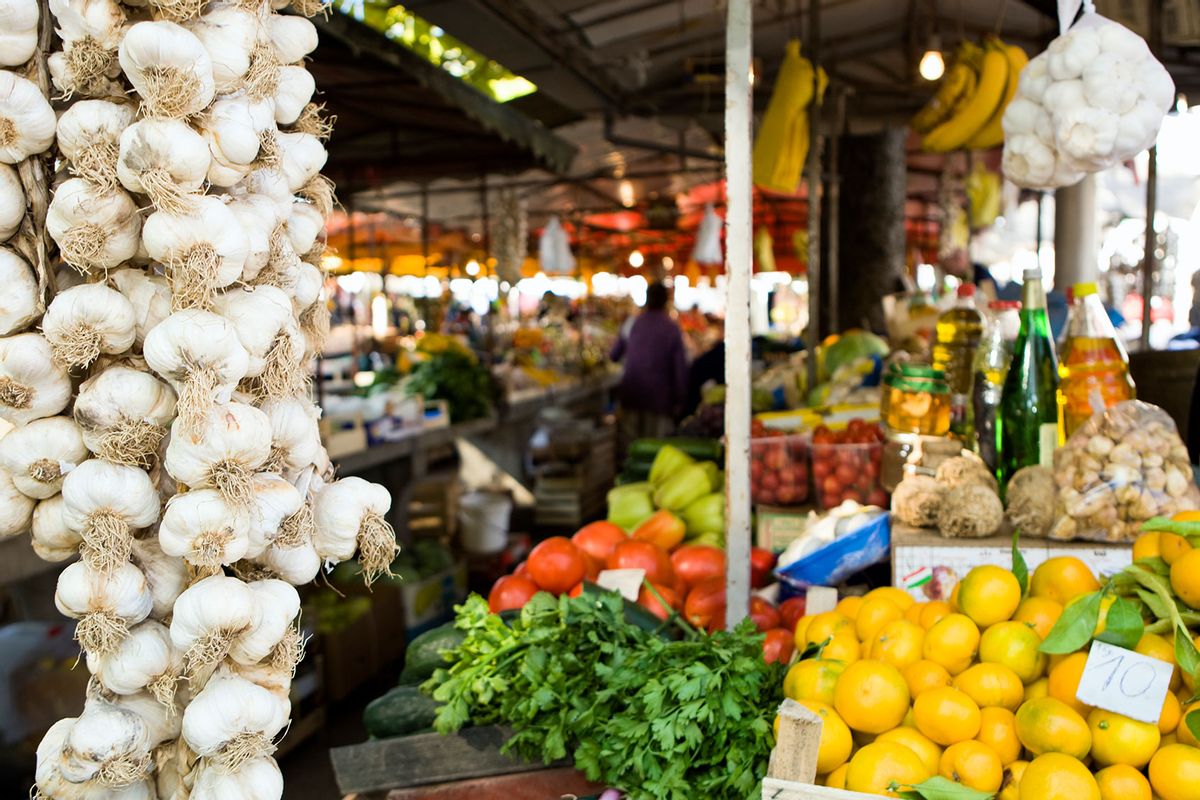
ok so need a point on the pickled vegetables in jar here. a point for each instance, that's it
(916, 399)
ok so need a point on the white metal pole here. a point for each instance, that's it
(738, 264)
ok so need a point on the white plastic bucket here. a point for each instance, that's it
(484, 517)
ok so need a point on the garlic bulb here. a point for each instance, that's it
(52, 539)
(203, 250)
(18, 32)
(277, 606)
(16, 508)
(150, 296)
(169, 68)
(89, 134)
(263, 319)
(203, 529)
(165, 160)
(32, 386)
(233, 721)
(91, 31)
(96, 229)
(161, 719)
(309, 283)
(124, 414)
(26, 119)
(275, 501)
(38, 455)
(255, 779)
(295, 435)
(19, 301)
(292, 37)
(224, 454)
(228, 33)
(294, 91)
(291, 554)
(349, 515)
(12, 197)
(105, 603)
(208, 616)
(269, 183)
(301, 157)
(145, 660)
(167, 576)
(314, 324)
(106, 502)
(108, 745)
(199, 354)
(304, 227)
(259, 218)
(234, 126)
(85, 321)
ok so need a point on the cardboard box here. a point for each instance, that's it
(430, 602)
(929, 566)
(777, 527)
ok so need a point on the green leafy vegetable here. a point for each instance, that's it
(1075, 627)
(939, 788)
(1019, 567)
(1123, 624)
(456, 377)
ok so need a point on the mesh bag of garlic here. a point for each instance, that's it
(163, 302)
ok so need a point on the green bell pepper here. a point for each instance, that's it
(630, 505)
(684, 486)
(705, 515)
(669, 461)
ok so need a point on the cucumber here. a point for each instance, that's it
(401, 711)
(696, 447)
(424, 653)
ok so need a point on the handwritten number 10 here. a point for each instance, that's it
(1127, 678)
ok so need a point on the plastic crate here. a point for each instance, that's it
(847, 472)
(779, 470)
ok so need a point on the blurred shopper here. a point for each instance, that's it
(654, 385)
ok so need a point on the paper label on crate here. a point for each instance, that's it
(1125, 682)
(626, 581)
(917, 578)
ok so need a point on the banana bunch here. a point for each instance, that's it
(968, 107)
(781, 147)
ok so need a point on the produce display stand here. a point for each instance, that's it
(793, 766)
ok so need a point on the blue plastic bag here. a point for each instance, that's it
(839, 559)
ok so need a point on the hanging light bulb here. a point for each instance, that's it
(472, 268)
(636, 259)
(668, 263)
(625, 190)
(932, 65)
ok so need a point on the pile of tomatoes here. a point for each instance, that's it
(845, 464)
(778, 468)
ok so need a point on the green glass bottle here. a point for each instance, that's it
(1028, 428)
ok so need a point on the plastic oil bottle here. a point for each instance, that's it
(1093, 367)
(991, 368)
(958, 332)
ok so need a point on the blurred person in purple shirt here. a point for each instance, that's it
(654, 385)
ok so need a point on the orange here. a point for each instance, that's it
(1172, 547)
(871, 696)
(989, 594)
(1155, 646)
(899, 598)
(972, 764)
(801, 633)
(1122, 782)
(991, 685)
(1062, 578)
(836, 741)
(823, 626)
(837, 778)
(1172, 711)
(947, 716)
(1064, 682)
(954, 598)
(1175, 772)
(897, 643)
(873, 615)
(842, 647)
(1055, 776)
(812, 679)
(952, 642)
(880, 764)
(1185, 578)
(1011, 785)
(1015, 645)
(1117, 739)
(923, 675)
(913, 614)
(1039, 688)
(929, 753)
(1047, 725)
(848, 606)
(1183, 734)
(998, 730)
(1148, 545)
(1039, 613)
(934, 611)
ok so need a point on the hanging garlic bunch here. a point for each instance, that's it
(204, 530)
(233, 721)
(166, 575)
(149, 294)
(255, 779)
(199, 354)
(95, 228)
(228, 33)
(169, 68)
(223, 454)
(275, 500)
(52, 539)
(89, 135)
(295, 436)
(85, 321)
(18, 31)
(12, 201)
(105, 603)
(349, 515)
(208, 616)
(26, 119)
(124, 413)
(32, 385)
(263, 319)
(38, 455)
(145, 660)
(203, 250)
(165, 160)
(50, 784)
(106, 503)
(16, 508)
(19, 300)
(90, 31)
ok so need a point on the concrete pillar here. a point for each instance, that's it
(1076, 234)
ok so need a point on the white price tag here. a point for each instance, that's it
(626, 581)
(1124, 682)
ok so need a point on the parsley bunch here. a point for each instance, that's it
(655, 717)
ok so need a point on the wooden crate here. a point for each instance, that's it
(793, 765)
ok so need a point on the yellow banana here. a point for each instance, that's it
(957, 85)
(954, 132)
(992, 133)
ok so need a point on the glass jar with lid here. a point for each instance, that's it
(916, 399)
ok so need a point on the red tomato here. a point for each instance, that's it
(511, 591)
(705, 604)
(592, 566)
(598, 539)
(696, 562)
(878, 497)
(765, 497)
(765, 615)
(647, 600)
(775, 458)
(761, 563)
(790, 612)
(556, 565)
(635, 554)
(820, 469)
(822, 435)
(846, 474)
(831, 485)
(522, 569)
(770, 481)
(778, 646)
(852, 494)
(756, 470)
(576, 590)
(787, 495)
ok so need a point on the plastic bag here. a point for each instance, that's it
(1124, 466)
